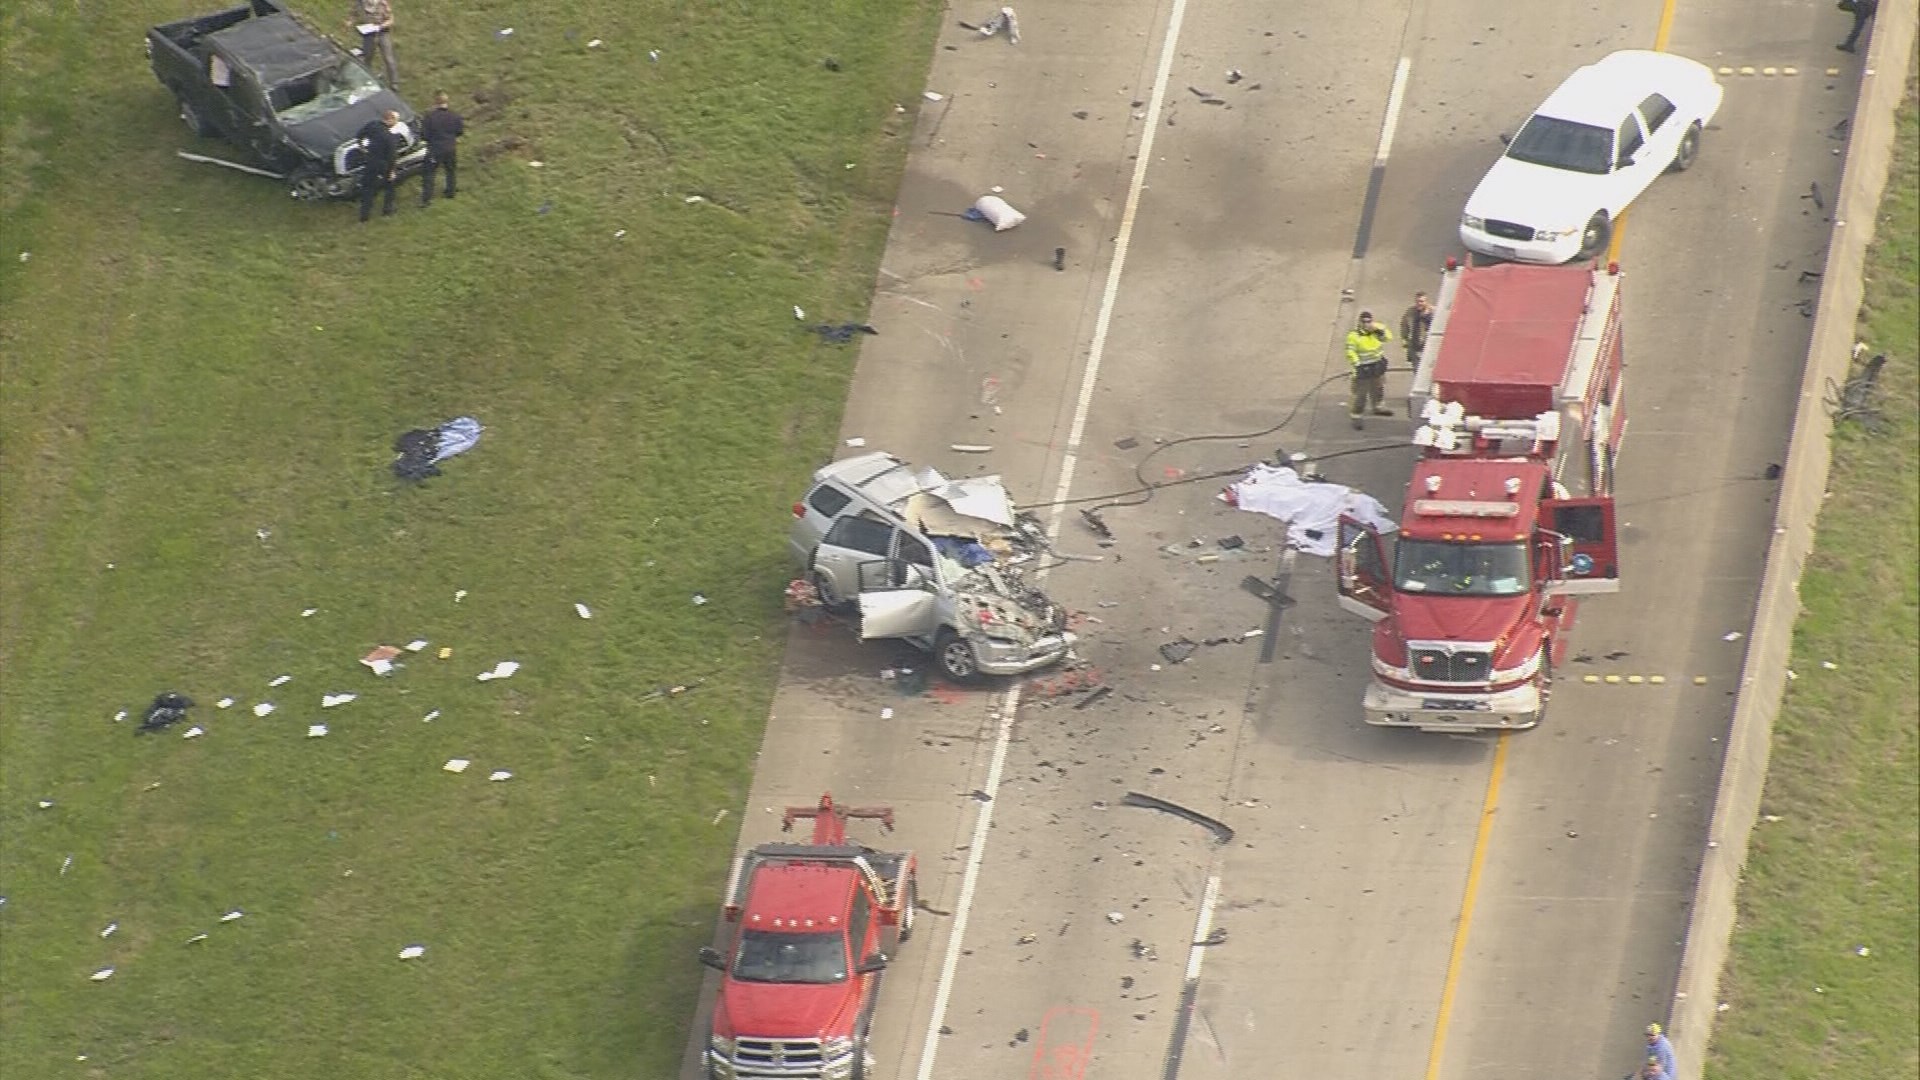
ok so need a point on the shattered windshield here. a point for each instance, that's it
(321, 92)
(791, 958)
(1429, 566)
(1563, 144)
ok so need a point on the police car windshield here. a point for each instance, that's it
(1563, 144)
(1431, 566)
(766, 957)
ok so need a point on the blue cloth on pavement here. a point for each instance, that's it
(970, 553)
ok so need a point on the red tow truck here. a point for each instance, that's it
(800, 980)
(1509, 516)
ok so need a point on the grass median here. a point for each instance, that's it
(203, 380)
(1824, 977)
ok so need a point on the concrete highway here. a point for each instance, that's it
(1394, 905)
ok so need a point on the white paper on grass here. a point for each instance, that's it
(281, 681)
(315, 731)
(224, 703)
(194, 732)
(102, 975)
(456, 765)
(583, 611)
(328, 701)
(502, 670)
(230, 916)
(413, 952)
(500, 774)
(417, 644)
(263, 708)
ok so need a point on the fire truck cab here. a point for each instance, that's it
(1509, 515)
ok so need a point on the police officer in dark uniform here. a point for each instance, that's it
(381, 149)
(440, 128)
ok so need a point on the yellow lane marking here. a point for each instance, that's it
(1479, 860)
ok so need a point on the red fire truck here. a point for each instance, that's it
(1509, 516)
(802, 975)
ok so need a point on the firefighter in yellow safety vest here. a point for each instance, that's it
(1366, 355)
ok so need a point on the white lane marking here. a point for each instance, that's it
(1394, 101)
(975, 853)
(1196, 953)
(1069, 459)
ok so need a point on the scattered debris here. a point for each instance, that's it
(1221, 831)
(167, 709)
(224, 703)
(498, 775)
(46, 804)
(1217, 937)
(1143, 951)
(445, 653)
(1116, 918)
(1731, 635)
(430, 717)
(380, 660)
(413, 952)
(108, 932)
(417, 644)
(583, 611)
(997, 211)
(102, 975)
(263, 708)
(1127, 443)
(196, 939)
(66, 865)
(1230, 543)
(841, 333)
(1179, 650)
(1096, 695)
(930, 96)
(1312, 510)
(502, 670)
(308, 613)
(459, 595)
(1060, 258)
(971, 448)
(280, 681)
(456, 765)
(721, 816)
(328, 701)
(234, 915)
(886, 714)
(193, 732)
(418, 452)
(316, 731)
(699, 599)
(1234, 76)
(1004, 19)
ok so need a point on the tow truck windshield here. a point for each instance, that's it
(1432, 566)
(767, 957)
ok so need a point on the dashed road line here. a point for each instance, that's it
(1069, 459)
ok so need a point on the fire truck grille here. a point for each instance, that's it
(788, 1059)
(1459, 666)
(1507, 230)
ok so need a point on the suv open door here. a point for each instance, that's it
(1580, 535)
(1365, 582)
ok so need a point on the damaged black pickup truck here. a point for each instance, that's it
(280, 91)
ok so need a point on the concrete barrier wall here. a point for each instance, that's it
(1763, 679)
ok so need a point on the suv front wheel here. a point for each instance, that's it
(955, 656)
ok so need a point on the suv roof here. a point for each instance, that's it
(879, 476)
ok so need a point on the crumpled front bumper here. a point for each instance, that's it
(997, 656)
(1508, 710)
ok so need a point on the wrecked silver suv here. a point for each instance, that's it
(938, 562)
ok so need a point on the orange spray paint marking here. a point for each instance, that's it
(1065, 1044)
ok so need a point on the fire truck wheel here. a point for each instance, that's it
(909, 900)
(830, 599)
(955, 656)
(1689, 149)
(1594, 240)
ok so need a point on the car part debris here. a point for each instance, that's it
(841, 333)
(1230, 543)
(1217, 937)
(225, 164)
(1178, 651)
(1097, 523)
(1098, 693)
(1220, 829)
(419, 452)
(167, 709)
(1004, 19)
(1266, 590)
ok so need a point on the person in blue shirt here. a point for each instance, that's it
(1659, 1050)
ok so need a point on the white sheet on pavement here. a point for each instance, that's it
(1311, 510)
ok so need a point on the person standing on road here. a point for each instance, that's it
(373, 21)
(1659, 1050)
(1366, 355)
(1414, 324)
(1862, 11)
(441, 128)
(377, 161)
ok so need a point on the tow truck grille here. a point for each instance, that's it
(1458, 666)
(788, 1059)
(1507, 230)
